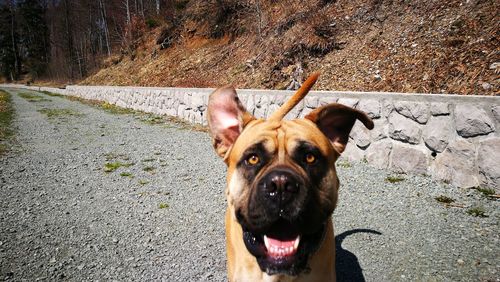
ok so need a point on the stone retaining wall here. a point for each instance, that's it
(455, 139)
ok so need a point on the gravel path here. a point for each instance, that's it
(160, 217)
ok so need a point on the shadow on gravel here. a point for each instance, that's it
(346, 263)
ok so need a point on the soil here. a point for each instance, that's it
(396, 46)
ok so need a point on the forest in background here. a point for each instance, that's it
(68, 39)
(435, 46)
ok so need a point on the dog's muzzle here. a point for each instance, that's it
(276, 229)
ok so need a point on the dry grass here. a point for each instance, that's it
(426, 46)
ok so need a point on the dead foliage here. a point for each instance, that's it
(360, 45)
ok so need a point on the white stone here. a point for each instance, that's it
(360, 135)
(488, 161)
(326, 100)
(406, 159)
(311, 102)
(496, 112)
(437, 133)
(472, 121)
(378, 153)
(417, 111)
(348, 102)
(456, 165)
(404, 129)
(371, 107)
(438, 109)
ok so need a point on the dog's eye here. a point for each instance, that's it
(253, 159)
(310, 158)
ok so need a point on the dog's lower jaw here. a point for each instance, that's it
(242, 266)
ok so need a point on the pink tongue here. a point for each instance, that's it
(280, 244)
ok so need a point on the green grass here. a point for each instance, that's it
(143, 182)
(51, 94)
(110, 108)
(110, 167)
(32, 97)
(149, 168)
(394, 179)
(6, 116)
(148, 160)
(477, 212)
(163, 206)
(444, 199)
(127, 174)
(53, 113)
(344, 164)
(485, 191)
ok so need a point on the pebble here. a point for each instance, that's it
(383, 227)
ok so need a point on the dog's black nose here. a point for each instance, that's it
(280, 186)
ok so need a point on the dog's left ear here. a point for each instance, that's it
(336, 121)
(226, 118)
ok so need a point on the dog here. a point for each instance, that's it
(282, 186)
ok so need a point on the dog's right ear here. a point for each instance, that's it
(226, 118)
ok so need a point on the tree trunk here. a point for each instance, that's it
(157, 7)
(106, 30)
(127, 7)
(17, 64)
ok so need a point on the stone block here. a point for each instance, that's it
(378, 153)
(372, 108)
(488, 161)
(404, 129)
(456, 165)
(311, 102)
(496, 112)
(437, 133)
(472, 121)
(379, 130)
(360, 135)
(439, 109)
(353, 153)
(408, 159)
(326, 100)
(350, 102)
(417, 111)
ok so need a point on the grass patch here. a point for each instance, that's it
(51, 94)
(6, 116)
(477, 212)
(149, 168)
(52, 113)
(394, 179)
(163, 206)
(444, 199)
(110, 108)
(485, 191)
(32, 97)
(111, 156)
(148, 160)
(127, 174)
(177, 122)
(151, 119)
(344, 164)
(143, 182)
(110, 167)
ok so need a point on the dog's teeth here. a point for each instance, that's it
(266, 242)
(296, 244)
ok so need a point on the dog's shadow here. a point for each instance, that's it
(346, 263)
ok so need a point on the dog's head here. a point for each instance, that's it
(282, 184)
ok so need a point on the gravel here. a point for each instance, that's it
(62, 217)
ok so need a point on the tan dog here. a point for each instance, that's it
(281, 186)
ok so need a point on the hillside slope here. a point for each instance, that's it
(360, 45)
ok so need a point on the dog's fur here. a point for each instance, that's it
(274, 189)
